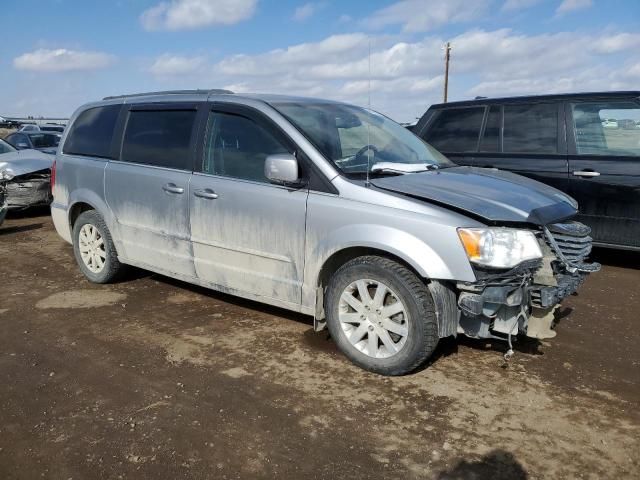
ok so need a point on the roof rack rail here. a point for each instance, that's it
(172, 92)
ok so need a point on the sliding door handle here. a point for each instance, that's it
(206, 193)
(172, 188)
(585, 173)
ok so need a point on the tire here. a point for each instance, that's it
(415, 333)
(111, 267)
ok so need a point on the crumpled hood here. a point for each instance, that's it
(25, 161)
(494, 195)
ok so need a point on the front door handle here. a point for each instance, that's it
(172, 188)
(206, 193)
(585, 173)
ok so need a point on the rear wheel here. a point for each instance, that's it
(94, 249)
(381, 315)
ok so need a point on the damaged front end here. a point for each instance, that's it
(26, 175)
(29, 190)
(502, 303)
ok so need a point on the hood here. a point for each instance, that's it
(494, 195)
(22, 162)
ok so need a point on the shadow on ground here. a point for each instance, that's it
(616, 258)
(496, 465)
(20, 228)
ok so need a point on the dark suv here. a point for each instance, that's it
(587, 145)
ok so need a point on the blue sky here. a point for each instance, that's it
(57, 54)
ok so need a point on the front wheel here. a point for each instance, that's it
(381, 315)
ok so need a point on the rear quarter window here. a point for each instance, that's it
(92, 132)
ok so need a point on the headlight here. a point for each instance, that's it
(499, 247)
(6, 175)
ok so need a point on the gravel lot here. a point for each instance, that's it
(154, 378)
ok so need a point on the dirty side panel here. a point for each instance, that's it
(251, 237)
(153, 223)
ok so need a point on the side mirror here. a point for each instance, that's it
(282, 168)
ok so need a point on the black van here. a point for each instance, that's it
(587, 145)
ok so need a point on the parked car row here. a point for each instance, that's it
(47, 127)
(319, 207)
(8, 123)
(570, 142)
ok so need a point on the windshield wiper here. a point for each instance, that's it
(402, 168)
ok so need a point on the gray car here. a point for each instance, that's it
(25, 175)
(319, 207)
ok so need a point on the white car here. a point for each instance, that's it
(29, 128)
(610, 123)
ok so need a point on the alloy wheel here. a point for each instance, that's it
(91, 246)
(373, 318)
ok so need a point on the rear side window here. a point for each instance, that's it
(531, 128)
(456, 129)
(159, 137)
(92, 132)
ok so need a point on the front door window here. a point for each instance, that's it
(237, 147)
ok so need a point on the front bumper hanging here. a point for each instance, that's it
(523, 300)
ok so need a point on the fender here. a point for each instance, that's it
(84, 195)
(414, 251)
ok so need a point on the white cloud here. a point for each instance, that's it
(168, 65)
(424, 15)
(572, 5)
(192, 14)
(406, 77)
(512, 5)
(340, 48)
(303, 12)
(617, 43)
(61, 60)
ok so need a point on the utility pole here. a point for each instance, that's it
(447, 57)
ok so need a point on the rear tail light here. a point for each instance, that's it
(53, 176)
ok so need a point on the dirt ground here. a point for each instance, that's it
(154, 378)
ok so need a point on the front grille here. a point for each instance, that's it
(571, 242)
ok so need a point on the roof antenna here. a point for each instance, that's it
(369, 150)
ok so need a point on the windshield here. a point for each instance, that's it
(5, 147)
(356, 139)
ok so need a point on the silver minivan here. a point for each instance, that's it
(320, 207)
